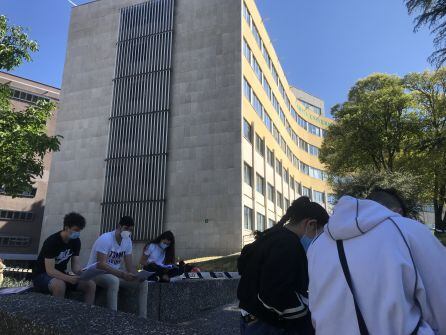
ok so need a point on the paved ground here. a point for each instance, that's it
(224, 321)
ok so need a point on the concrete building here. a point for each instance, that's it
(21, 217)
(178, 113)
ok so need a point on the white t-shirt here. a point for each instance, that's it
(107, 244)
(155, 254)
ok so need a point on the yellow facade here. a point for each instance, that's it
(252, 198)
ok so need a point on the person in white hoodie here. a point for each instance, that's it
(397, 270)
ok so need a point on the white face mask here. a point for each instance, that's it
(125, 234)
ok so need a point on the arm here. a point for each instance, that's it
(144, 256)
(103, 265)
(75, 265)
(53, 272)
(129, 264)
(281, 290)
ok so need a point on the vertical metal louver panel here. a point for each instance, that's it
(137, 152)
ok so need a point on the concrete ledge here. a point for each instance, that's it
(177, 301)
(38, 314)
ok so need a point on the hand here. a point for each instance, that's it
(73, 279)
(127, 276)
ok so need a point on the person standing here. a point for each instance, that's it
(374, 271)
(109, 252)
(50, 271)
(274, 278)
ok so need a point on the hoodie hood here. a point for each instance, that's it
(353, 217)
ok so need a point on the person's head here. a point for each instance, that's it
(390, 198)
(305, 218)
(125, 226)
(166, 241)
(73, 223)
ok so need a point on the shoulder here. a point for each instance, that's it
(52, 238)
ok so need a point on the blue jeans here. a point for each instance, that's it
(259, 327)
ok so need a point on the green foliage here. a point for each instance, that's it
(360, 184)
(23, 138)
(392, 133)
(15, 46)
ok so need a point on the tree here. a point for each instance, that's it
(431, 13)
(429, 151)
(23, 138)
(371, 128)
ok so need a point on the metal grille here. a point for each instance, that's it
(137, 152)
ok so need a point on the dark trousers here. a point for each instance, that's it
(160, 271)
(258, 327)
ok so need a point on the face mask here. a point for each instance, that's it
(125, 234)
(74, 235)
(306, 242)
(164, 246)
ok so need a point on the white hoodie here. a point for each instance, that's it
(382, 272)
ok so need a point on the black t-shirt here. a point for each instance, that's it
(55, 247)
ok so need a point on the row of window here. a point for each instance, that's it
(261, 222)
(257, 70)
(25, 96)
(26, 194)
(276, 197)
(260, 148)
(16, 215)
(15, 241)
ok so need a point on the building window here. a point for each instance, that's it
(247, 52)
(246, 15)
(260, 184)
(313, 150)
(292, 183)
(314, 129)
(247, 91)
(299, 188)
(306, 192)
(248, 218)
(301, 122)
(279, 200)
(286, 176)
(256, 35)
(257, 105)
(26, 97)
(267, 88)
(256, 68)
(270, 157)
(15, 241)
(260, 145)
(15, 215)
(331, 198)
(319, 197)
(287, 203)
(271, 223)
(247, 131)
(311, 107)
(267, 121)
(271, 192)
(304, 168)
(279, 167)
(248, 174)
(26, 194)
(260, 222)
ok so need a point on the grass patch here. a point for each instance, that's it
(216, 263)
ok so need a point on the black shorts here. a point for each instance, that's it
(42, 282)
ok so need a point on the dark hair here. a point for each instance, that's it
(126, 221)
(74, 220)
(170, 251)
(301, 208)
(388, 197)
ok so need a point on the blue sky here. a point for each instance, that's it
(324, 45)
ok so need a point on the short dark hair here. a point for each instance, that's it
(126, 221)
(74, 220)
(388, 197)
(303, 208)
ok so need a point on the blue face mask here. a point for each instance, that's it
(74, 235)
(164, 246)
(306, 242)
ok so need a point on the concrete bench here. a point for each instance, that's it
(176, 301)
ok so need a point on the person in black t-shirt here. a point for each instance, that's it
(50, 272)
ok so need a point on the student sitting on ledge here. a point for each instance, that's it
(159, 257)
(109, 250)
(49, 272)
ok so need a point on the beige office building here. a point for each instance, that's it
(178, 113)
